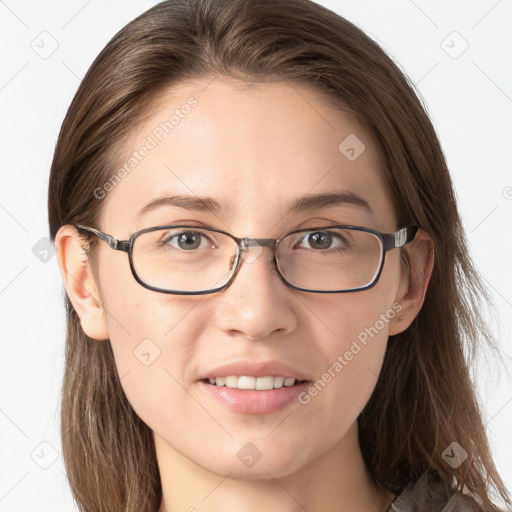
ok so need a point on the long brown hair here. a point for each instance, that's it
(424, 398)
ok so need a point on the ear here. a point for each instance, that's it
(411, 293)
(79, 282)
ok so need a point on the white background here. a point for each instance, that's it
(469, 99)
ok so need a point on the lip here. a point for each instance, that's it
(255, 369)
(251, 401)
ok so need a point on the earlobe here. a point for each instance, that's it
(79, 282)
(411, 295)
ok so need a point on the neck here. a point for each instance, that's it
(337, 480)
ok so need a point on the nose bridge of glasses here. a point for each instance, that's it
(250, 241)
(258, 243)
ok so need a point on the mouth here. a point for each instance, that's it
(248, 382)
(254, 395)
(255, 387)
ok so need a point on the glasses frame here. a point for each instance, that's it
(389, 241)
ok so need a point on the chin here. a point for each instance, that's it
(262, 470)
(258, 460)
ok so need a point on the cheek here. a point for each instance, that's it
(153, 330)
(153, 339)
(152, 336)
(353, 351)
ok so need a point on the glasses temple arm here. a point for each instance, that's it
(400, 238)
(115, 244)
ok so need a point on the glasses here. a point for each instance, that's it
(193, 260)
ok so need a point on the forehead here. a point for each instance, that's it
(253, 147)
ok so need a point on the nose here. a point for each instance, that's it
(257, 304)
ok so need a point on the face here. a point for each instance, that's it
(254, 149)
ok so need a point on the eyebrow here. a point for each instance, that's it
(302, 204)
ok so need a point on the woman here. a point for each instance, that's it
(293, 310)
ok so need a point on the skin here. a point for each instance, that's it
(254, 148)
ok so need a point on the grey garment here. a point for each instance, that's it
(429, 494)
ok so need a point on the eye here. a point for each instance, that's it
(323, 240)
(187, 241)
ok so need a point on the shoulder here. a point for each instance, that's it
(431, 494)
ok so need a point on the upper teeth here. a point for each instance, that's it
(247, 382)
